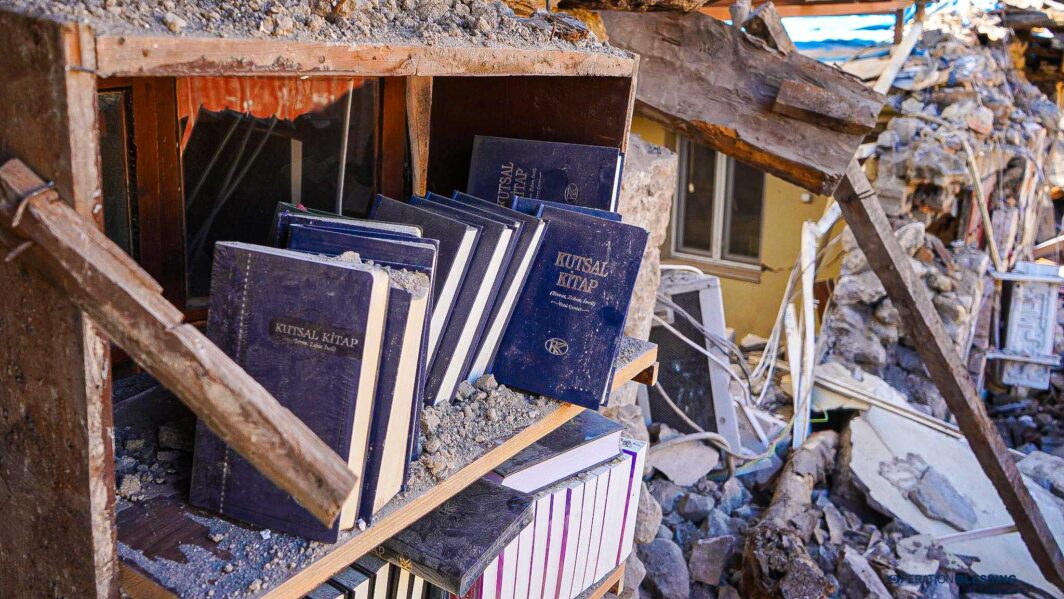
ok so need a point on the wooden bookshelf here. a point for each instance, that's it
(165, 547)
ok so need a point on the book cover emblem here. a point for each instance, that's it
(558, 347)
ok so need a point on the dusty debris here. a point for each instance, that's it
(667, 575)
(437, 22)
(685, 463)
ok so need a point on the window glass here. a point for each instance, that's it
(696, 198)
(119, 204)
(250, 142)
(742, 220)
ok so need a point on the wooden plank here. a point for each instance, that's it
(418, 116)
(717, 85)
(611, 583)
(898, 57)
(862, 211)
(182, 525)
(813, 104)
(643, 358)
(56, 453)
(172, 56)
(107, 284)
(801, 8)
(765, 23)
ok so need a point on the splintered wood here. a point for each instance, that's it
(127, 304)
(862, 211)
(719, 86)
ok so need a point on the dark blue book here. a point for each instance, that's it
(401, 380)
(532, 207)
(309, 330)
(569, 322)
(529, 235)
(454, 356)
(502, 168)
(458, 242)
(287, 214)
(451, 546)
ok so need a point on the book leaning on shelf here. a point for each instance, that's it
(309, 329)
(567, 326)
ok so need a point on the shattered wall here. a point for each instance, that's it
(963, 112)
(647, 188)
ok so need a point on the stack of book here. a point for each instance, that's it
(371, 578)
(355, 324)
(549, 523)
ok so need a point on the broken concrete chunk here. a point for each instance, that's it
(695, 507)
(709, 557)
(939, 500)
(857, 579)
(667, 574)
(634, 571)
(733, 495)
(667, 493)
(684, 463)
(752, 342)
(1047, 470)
(863, 288)
(647, 517)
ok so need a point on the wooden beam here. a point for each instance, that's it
(126, 303)
(812, 104)
(175, 56)
(898, 57)
(862, 211)
(717, 85)
(765, 23)
(56, 452)
(418, 117)
(817, 9)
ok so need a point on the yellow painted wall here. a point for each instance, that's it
(751, 307)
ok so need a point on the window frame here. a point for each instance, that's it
(715, 258)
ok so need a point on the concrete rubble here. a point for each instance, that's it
(886, 499)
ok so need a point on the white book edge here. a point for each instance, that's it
(445, 302)
(639, 449)
(614, 521)
(457, 361)
(367, 391)
(490, 579)
(495, 329)
(539, 545)
(570, 541)
(554, 544)
(523, 562)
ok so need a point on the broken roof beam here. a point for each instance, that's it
(718, 86)
(866, 218)
(126, 303)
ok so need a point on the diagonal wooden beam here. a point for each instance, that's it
(862, 211)
(864, 214)
(126, 303)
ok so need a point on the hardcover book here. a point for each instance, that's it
(457, 244)
(584, 441)
(573, 309)
(400, 385)
(379, 573)
(502, 168)
(454, 354)
(532, 207)
(529, 236)
(288, 214)
(309, 329)
(451, 546)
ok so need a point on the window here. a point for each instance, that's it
(119, 184)
(718, 210)
(252, 142)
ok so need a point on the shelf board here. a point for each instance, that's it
(611, 582)
(162, 55)
(165, 546)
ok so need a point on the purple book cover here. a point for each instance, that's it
(298, 325)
